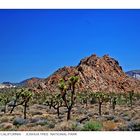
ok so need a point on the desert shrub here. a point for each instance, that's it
(19, 121)
(92, 126)
(137, 96)
(121, 99)
(66, 126)
(4, 119)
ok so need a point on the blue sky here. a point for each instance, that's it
(35, 43)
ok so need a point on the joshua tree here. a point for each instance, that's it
(101, 97)
(26, 96)
(113, 100)
(17, 97)
(131, 94)
(49, 100)
(68, 93)
(55, 101)
(84, 97)
(5, 97)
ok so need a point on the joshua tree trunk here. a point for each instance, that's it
(131, 98)
(25, 110)
(69, 114)
(51, 104)
(114, 104)
(131, 102)
(58, 113)
(13, 106)
(100, 108)
(86, 102)
(5, 108)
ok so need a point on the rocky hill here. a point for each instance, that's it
(95, 74)
(134, 73)
(29, 82)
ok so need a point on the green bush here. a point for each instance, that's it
(92, 126)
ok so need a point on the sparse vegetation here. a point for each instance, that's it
(86, 111)
(92, 126)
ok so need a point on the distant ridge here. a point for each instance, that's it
(134, 73)
(25, 83)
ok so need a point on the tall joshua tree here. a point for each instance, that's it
(67, 89)
(26, 96)
(17, 97)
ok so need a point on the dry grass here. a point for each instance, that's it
(4, 119)
(109, 125)
(34, 128)
(60, 124)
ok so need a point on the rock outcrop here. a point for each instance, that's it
(95, 74)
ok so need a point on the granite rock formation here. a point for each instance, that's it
(95, 74)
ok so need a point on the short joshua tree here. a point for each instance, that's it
(55, 101)
(101, 97)
(131, 94)
(113, 100)
(5, 97)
